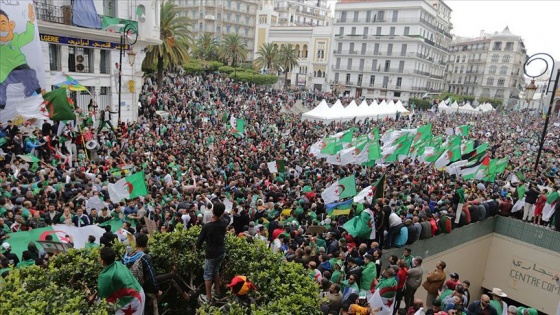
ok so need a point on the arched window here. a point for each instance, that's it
(495, 58)
(304, 51)
(505, 59)
(297, 51)
(492, 69)
(319, 74)
(503, 69)
(490, 81)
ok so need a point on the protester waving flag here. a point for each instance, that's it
(58, 105)
(278, 166)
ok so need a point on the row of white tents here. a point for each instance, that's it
(467, 108)
(337, 112)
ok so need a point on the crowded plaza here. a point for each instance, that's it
(204, 146)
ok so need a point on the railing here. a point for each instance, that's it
(422, 73)
(54, 14)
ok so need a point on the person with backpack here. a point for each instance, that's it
(139, 263)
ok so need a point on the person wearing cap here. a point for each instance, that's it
(13, 259)
(482, 306)
(454, 278)
(497, 301)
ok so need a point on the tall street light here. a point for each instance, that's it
(130, 36)
(532, 88)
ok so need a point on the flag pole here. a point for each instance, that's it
(83, 141)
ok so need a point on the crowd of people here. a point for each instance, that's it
(192, 161)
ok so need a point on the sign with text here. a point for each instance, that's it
(535, 274)
(55, 39)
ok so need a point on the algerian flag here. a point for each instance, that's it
(374, 134)
(423, 132)
(19, 240)
(451, 155)
(129, 187)
(463, 130)
(345, 136)
(384, 296)
(237, 126)
(330, 146)
(342, 188)
(361, 226)
(278, 166)
(349, 155)
(481, 148)
(374, 151)
(364, 195)
(315, 149)
(334, 159)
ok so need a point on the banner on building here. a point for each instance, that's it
(22, 72)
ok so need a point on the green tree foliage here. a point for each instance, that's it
(267, 57)
(420, 103)
(287, 59)
(258, 79)
(282, 288)
(233, 49)
(206, 47)
(176, 39)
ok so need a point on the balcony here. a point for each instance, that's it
(427, 74)
(54, 14)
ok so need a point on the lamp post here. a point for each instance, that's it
(129, 35)
(131, 58)
(531, 88)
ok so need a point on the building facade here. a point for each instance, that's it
(389, 49)
(311, 43)
(221, 17)
(89, 55)
(490, 66)
(302, 12)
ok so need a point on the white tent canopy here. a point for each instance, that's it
(400, 108)
(317, 113)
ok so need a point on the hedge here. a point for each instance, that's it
(62, 288)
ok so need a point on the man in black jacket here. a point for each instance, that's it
(531, 196)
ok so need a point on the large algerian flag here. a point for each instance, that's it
(374, 152)
(451, 155)
(342, 188)
(129, 187)
(19, 240)
(432, 154)
(278, 166)
(424, 132)
(349, 155)
(315, 149)
(334, 159)
(384, 296)
(361, 226)
(59, 105)
(330, 146)
(467, 147)
(345, 136)
(237, 126)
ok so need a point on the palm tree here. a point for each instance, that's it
(287, 59)
(233, 48)
(176, 39)
(267, 57)
(206, 47)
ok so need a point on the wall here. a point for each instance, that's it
(524, 272)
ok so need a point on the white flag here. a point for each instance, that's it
(118, 191)
(363, 195)
(272, 167)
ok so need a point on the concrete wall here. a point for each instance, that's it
(524, 272)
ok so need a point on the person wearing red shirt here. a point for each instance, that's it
(401, 275)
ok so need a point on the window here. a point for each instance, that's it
(338, 63)
(392, 31)
(501, 81)
(364, 45)
(105, 90)
(349, 65)
(509, 46)
(464, 57)
(105, 61)
(368, 16)
(495, 58)
(238, 6)
(341, 31)
(374, 65)
(366, 31)
(376, 49)
(497, 46)
(399, 82)
(371, 80)
(403, 49)
(406, 30)
(303, 70)
(492, 70)
(389, 49)
(353, 31)
(401, 66)
(246, 32)
(348, 78)
(362, 62)
(395, 15)
(343, 16)
(505, 59)
(490, 81)
(387, 65)
(378, 31)
(385, 82)
(356, 14)
(503, 69)
(54, 57)
(336, 77)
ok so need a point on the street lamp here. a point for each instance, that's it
(130, 35)
(532, 88)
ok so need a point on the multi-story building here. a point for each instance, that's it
(302, 12)
(312, 45)
(490, 66)
(221, 17)
(89, 54)
(390, 49)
